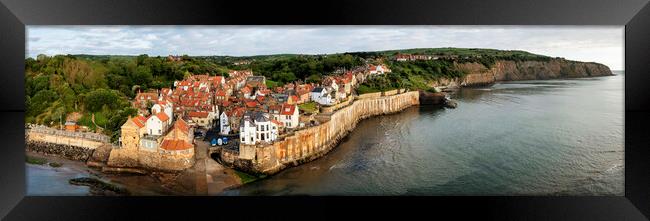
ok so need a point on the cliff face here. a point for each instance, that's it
(478, 74)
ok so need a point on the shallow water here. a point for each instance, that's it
(43, 180)
(552, 137)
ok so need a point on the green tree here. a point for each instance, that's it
(97, 99)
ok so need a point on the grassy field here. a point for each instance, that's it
(309, 107)
(364, 89)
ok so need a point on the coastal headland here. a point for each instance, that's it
(272, 126)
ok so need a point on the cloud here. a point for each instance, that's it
(586, 43)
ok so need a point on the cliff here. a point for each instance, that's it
(503, 70)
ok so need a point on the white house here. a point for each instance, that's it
(163, 106)
(322, 96)
(158, 124)
(379, 69)
(257, 127)
(203, 119)
(224, 126)
(289, 116)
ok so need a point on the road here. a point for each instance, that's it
(211, 177)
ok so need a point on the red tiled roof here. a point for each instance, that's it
(162, 116)
(251, 104)
(287, 109)
(198, 114)
(275, 108)
(239, 111)
(182, 126)
(175, 145)
(140, 121)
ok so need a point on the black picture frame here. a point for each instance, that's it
(633, 14)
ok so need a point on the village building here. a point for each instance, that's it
(256, 81)
(247, 92)
(303, 92)
(234, 118)
(202, 118)
(71, 126)
(289, 116)
(181, 130)
(158, 124)
(280, 98)
(174, 58)
(293, 99)
(217, 81)
(322, 96)
(177, 147)
(163, 106)
(413, 57)
(142, 99)
(220, 95)
(345, 84)
(131, 131)
(341, 94)
(378, 69)
(351, 77)
(330, 81)
(257, 127)
(224, 125)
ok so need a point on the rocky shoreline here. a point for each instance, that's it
(64, 151)
(99, 187)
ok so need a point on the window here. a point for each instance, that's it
(159, 131)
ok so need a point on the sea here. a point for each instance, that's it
(531, 138)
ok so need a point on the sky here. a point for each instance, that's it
(602, 44)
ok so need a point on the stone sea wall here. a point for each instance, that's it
(311, 143)
(62, 140)
(61, 150)
(70, 147)
(151, 160)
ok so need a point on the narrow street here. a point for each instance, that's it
(211, 177)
